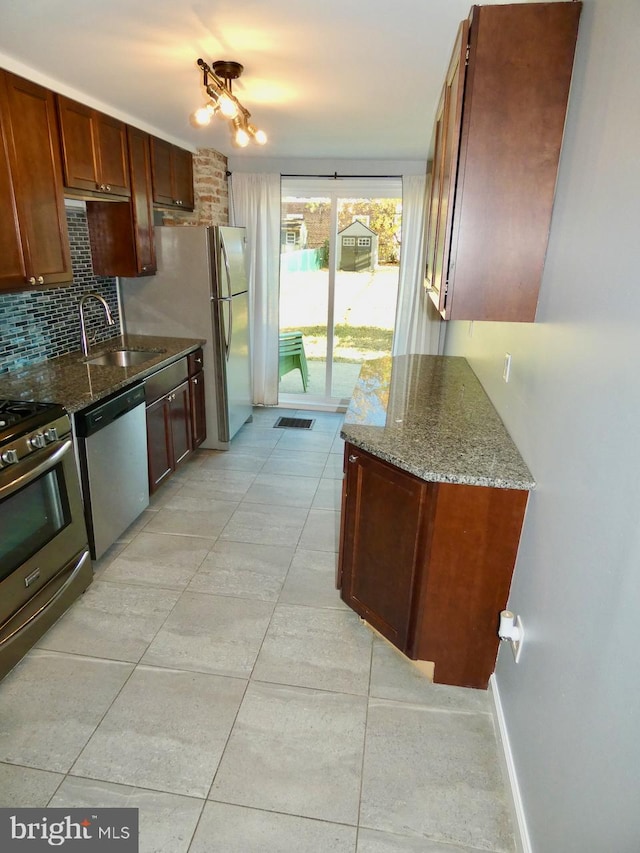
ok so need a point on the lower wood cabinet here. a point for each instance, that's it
(176, 422)
(196, 392)
(429, 565)
(168, 434)
(169, 438)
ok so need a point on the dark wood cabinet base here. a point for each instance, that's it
(429, 565)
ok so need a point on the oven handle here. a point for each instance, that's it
(56, 595)
(33, 468)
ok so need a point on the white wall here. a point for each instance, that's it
(305, 166)
(572, 704)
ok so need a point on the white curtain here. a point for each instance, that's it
(255, 204)
(417, 323)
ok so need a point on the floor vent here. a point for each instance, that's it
(294, 423)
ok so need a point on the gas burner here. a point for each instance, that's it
(14, 411)
(19, 415)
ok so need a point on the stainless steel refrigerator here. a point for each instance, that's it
(200, 291)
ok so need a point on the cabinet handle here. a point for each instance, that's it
(108, 188)
(352, 458)
(32, 280)
(40, 279)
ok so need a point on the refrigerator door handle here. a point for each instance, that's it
(228, 340)
(226, 332)
(227, 270)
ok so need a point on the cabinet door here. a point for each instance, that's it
(180, 413)
(94, 148)
(31, 136)
(142, 202)
(183, 178)
(113, 159)
(198, 418)
(445, 164)
(79, 156)
(172, 170)
(382, 548)
(12, 265)
(434, 198)
(159, 446)
(161, 171)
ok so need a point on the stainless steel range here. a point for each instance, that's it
(44, 557)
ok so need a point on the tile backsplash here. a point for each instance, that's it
(39, 324)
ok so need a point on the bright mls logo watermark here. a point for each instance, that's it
(86, 830)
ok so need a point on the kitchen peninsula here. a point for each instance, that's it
(433, 503)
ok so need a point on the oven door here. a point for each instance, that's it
(42, 524)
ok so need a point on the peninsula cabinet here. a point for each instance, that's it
(429, 564)
(34, 241)
(495, 151)
(94, 150)
(172, 169)
(121, 233)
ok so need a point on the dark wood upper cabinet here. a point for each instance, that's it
(34, 240)
(446, 140)
(121, 233)
(496, 149)
(142, 199)
(172, 170)
(94, 150)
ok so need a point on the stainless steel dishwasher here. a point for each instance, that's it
(112, 449)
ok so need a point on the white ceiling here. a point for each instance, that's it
(324, 78)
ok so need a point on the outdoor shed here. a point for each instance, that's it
(293, 234)
(357, 248)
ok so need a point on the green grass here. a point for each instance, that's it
(364, 338)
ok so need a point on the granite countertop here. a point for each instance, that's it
(430, 416)
(73, 383)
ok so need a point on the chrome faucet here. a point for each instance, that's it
(83, 332)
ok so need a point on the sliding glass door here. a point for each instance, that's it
(340, 244)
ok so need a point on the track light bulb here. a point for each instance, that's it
(242, 137)
(202, 116)
(227, 106)
(259, 136)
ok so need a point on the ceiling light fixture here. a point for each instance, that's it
(217, 82)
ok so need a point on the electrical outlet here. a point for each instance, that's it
(506, 369)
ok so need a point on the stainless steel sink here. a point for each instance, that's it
(121, 358)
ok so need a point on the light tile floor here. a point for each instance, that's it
(212, 677)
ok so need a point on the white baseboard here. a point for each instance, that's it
(523, 843)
